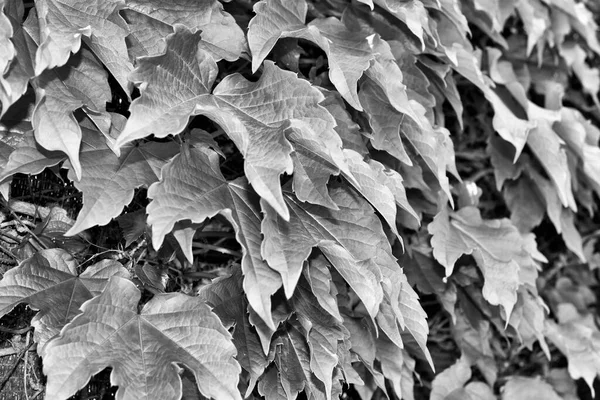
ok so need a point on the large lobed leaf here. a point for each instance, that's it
(48, 282)
(142, 347)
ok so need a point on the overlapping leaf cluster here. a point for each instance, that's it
(349, 199)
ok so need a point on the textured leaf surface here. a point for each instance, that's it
(143, 347)
(108, 182)
(64, 24)
(292, 358)
(171, 85)
(388, 124)
(221, 36)
(348, 237)
(59, 92)
(348, 51)
(48, 282)
(323, 333)
(193, 188)
(266, 133)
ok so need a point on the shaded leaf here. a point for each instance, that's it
(578, 338)
(226, 296)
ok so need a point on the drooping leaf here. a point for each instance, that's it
(528, 319)
(549, 150)
(226, 297)
(348, 237)
(496, 245)
(27, 157)
(266, 133)
(511, 128)
(412, 13)
(59, 92)
(323, 333)
(323, 288)
(108, 182)
(143, 347)
(15, 72)
(48, 282)
(63, 26)
(292, 359)
(578, 338)
(348, 52)
(388, 125)
(193, 188)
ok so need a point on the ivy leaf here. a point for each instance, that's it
(319, 278)
(7, 49)
(221, 35)
(578, 338)
(64, 24)
(59, 92)
(28, 158)
(433, 145)
(271, 386)
(192, 188)
(292, 359)
(549, 150)
(111, 333)
(15, 72)
(496, 245)
(510, 127)
(451, 379)
(348, 237)
(348, 52)
(412, 13)
(227, 298)
(48, 282)
(323, 333)
(266, 133)
(108, 181)
(171, 84)
(526, 388)
(391, 358)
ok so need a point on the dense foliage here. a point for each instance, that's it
(307, 198)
